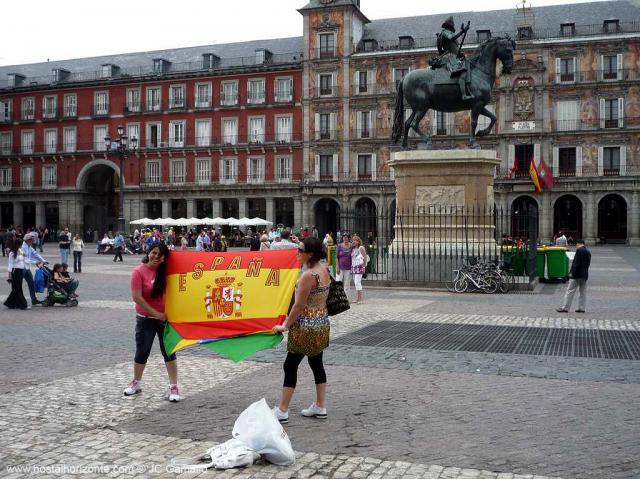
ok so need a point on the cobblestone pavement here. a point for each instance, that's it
(394, 412)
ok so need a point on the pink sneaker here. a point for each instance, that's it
(174, 394)
(134, 387)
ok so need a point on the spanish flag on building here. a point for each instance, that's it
(540, 174)
(228, 302)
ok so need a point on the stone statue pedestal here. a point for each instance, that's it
(444, 208)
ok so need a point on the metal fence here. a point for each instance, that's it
(423, 246)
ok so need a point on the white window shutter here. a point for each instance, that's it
(359, 124)
(601, 69)
(620, 112)
(558, 72)
(600, 160)
(620, 66)
(602, 112)
(536, 156)
(334, 91)
(317, 125)
(372, 124)
(623, 160)
(335, 167)
(511, 159)
(575, 72)
(578, 161)
(374, 167)
(369, 81)
(332, 125)
(317, 168)
(555, 166)
(434, 122)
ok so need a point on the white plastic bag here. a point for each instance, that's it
(259, 430)
(230, 454)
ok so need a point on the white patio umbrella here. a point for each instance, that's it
(141, 221)
(181, 222)
(217, 221)
(193, 221)
(260, 222)
(208, 221)
(224, 221)
(239, 222)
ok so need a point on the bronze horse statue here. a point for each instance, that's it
(426, 89)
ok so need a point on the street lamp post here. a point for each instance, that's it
(121, 145)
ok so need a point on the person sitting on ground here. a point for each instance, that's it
(67, 283)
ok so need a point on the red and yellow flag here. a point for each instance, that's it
(220, 299)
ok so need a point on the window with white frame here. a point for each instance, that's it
(152, 173)
(69, 139)
(5, 111)
(26, 176)
(27, 142)
(611, 67)
(203, 171)
(327, 45)
(284, 169)
(228, 171)
(325, 80)
(133, 100)
(176, 96)
(28, 108)
(363, 124)
(50, 140)
(106, 71)
(177, 171)
(203, 95)
(324, 126)
(49, 176)
(283, 129)
(5, 143)
(133, 131)
(611, 112)
(363, 82)
(101, 103)
(256, 130)
(364, 167)
(154, 135)
(566, 70)
(398, 75)
(203, 132)
(49, 106)
(567, 118)
(611, 161)
(229, 93)
(153, 99)
(5, 178)
(70, 108)
(176, 134)
(99, 134)
(255, 170)
(230, 131)
(441, 123)
(255, 92)
(326, 167)
(284, 90)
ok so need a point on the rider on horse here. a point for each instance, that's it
(455, 60)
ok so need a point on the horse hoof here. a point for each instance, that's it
(474, 146)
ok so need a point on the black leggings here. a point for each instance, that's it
(291, 369)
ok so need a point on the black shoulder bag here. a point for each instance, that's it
(337, 301)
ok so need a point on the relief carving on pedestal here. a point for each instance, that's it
(442, 195)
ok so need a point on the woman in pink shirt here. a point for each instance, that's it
(148, 282)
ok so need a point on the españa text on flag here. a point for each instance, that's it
(212, 297)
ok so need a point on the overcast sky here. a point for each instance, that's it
(36, 30)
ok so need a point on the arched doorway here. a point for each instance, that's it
(327, 216)
(567, 216)
(612, 219)
(524, 218)
(99, 185)
(365, 218)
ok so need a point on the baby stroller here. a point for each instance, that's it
(56, 294)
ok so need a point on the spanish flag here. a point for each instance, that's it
(228, 302)
(533, 171)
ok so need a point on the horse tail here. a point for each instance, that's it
(398, 116)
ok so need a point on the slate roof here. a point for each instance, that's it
(316, 4)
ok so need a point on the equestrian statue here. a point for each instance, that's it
(452, 83)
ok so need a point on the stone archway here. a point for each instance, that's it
(524, 217)
(365, 217)
(612, 219)
(567, 216)
(99, 183)
(327, 216)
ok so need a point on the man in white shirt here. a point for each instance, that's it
(31, 257)
(200, 241)
(285, 243)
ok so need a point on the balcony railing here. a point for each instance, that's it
(612, 123)
(571, 174)
(28, 115)
(325, 53)
(283, 97)
(257, 99)
(6, 118)
(202, 103)
(50, 113)
(100, 110)
(325, 91)
(132, 109)
(228, 99)
(216, 179)
(177, 104)
(364, 89)
(341, 177)
(153, 107)
(70, 112)
(611, 171)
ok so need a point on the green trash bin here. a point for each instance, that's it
(516, 257)
(541, 259)
(557, 263)
(331, 256)
(372, 265)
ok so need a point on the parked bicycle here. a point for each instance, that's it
(485, 276)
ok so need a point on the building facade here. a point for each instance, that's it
(299, 154)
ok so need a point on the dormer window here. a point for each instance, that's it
(262, 56)
(209, 61)
(525, 33)
(108, 70)
(611, 26)
(405, 42)
(15, 80)
(160, 65)
(369, 45)
(568, 29)
(60, 74)
(483, 35)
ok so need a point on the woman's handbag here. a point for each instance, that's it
(337, 301)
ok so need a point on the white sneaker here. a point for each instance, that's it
(283, 417)
(315, 411)
(134, 387)
(174, 394)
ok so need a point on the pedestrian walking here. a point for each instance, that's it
(31, 258)
(77, 247)
(308, 326)
(578, 276)
(148, 281)
(343, 270)
(359, 260)
(64, 244)
(4, 236)
(16, 299)
(118, 246)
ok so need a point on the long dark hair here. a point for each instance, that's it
(161, 273)
(315, 247)
(16, 244)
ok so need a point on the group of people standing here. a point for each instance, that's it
(352, 260)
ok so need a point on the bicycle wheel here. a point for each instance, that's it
(461, 285)
(507, 282)
(455, 274)
(489, 284)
